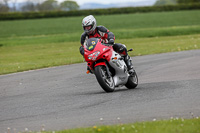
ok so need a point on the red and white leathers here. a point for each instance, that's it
(106, 36)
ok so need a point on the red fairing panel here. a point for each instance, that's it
(100, 64)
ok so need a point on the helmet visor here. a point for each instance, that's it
(87, 28)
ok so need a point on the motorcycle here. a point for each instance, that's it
(108, 66)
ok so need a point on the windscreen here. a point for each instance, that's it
(91, 43)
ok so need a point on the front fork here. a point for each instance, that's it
(108, 72)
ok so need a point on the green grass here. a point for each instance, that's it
(120, 34)
(113, 22)
(175, 125)
(16, 58)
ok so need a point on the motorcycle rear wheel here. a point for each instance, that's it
(132, 81)
(106, 82)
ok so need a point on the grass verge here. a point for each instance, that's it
(16, 58)
(174, 125)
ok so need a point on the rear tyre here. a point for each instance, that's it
(132, 81)
(106, 82)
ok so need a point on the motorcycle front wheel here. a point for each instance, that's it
(106, 82)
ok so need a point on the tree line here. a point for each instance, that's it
(173, 2)
(37, 6)
(66, 5)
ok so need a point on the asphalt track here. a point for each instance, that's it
(66, 97)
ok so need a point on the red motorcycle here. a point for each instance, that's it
(108, 66)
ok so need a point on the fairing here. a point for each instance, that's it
(95, 50)
(121, 73)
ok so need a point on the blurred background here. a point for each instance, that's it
(67, 5)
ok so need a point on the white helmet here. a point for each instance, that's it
(89, 24)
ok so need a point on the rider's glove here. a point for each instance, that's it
(81, 50)
(111, 41)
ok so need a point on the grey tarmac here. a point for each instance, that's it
(66, 97)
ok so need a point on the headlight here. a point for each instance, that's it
(94, 55)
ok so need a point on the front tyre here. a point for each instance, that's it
(106, 82)
(132, 81)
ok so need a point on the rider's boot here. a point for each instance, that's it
(89, 70)
(129, 64)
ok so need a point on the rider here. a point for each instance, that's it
(92, 30)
